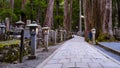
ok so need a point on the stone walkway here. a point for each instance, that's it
(76, 53)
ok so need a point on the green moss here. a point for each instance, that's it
(9, 43)
(105, 38)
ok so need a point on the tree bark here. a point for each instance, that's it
(66, 25)
(107, 21)
(88, 17)
(57, 12)
(71, 2)
(49, 14)
(12, 4)
(118, 11)
(98, 14)
(23, 3)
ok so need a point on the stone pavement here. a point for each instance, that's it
(76, 53)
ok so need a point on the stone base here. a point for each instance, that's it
(31, 57)
(45, 50)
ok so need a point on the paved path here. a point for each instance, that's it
(76, 53)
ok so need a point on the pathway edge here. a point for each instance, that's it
(47, 59)
(109, 57)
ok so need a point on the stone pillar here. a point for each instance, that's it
(33, 43)
(46, 37)
(51, 35)
(33, 40)
(46, 40)
(7, 21)
(39, 35)
(61, 35)
(93, 35)
(56, 36)
(28, 22)
(80, 19)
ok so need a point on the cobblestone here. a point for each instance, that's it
(76, 53)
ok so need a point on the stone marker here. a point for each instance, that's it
(7, 21)
(93, 35)
(61, 35)
(46, 37)
(56, 31)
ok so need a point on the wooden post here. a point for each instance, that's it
(21, 45)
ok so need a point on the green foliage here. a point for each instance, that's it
(75, 15)
(58, 19)
(9, 43)
(7, 13)
(105, 38)
(39, 9)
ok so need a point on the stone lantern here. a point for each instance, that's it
(20, 23)
(93, 35)
(33, 34)
(46, 37)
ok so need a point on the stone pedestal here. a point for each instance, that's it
(93, 35)
(33, 43)
(46, 41)
(33, 40)
(33, 46)
(46, 37)
(56, 36)
(61, 35)
(7, 21)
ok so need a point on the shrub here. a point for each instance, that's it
(105, 38)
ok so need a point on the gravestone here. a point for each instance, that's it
(28, 22)
(39, 37)
(7, 21)
(56, 32)
(52, 35)
(61, 35)
(27, 31)
(46, 37)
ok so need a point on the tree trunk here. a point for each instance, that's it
(107, 26)
(88, 17)
(49, 14)
(71, 2)
(23, 3)
(12, 4)
(118, 11)
(57, 12)
(66, 15)
(98, 14)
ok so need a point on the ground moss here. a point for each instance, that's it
(105, 38)
(9, 43)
